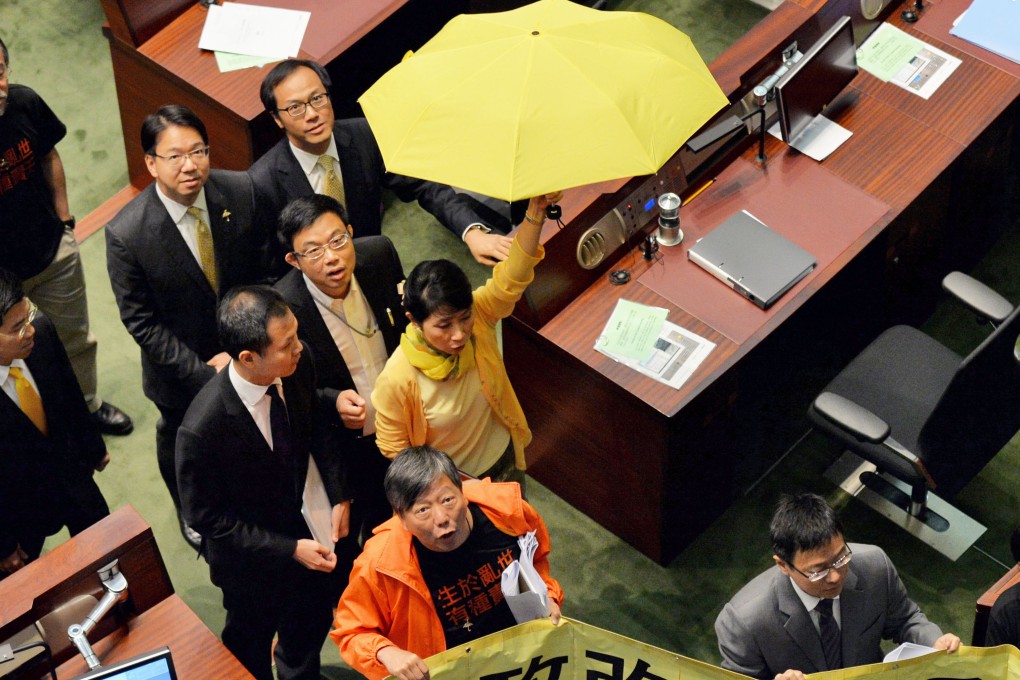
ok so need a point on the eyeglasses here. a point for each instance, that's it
(32, 311)
(840, 562)
(298, 109)
(176, 160)
(315, 253)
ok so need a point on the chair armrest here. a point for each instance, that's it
(858, 421)
(975, 295)
(865, 426)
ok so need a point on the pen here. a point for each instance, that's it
(390, 315)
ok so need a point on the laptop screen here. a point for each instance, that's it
(157, 665)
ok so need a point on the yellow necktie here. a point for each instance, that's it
(206, 252)
(331, 185)
(31, 404)
(352, 312)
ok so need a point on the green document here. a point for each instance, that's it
(632, 330)
(887, 51)
(228, 61)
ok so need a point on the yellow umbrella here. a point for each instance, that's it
(541, 98)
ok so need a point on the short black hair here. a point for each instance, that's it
(435, 285)
(3, 49)
(242, 319)
(801, 523)
(281, 71)
(302, 212)
(11, 290)
(413, 471)
(166, 116)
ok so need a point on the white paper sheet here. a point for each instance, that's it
(522, 585)
(257, 31)
(817, 140)
(316, 508)
(908, 650)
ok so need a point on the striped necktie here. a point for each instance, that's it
(31, 404)
(830, 634)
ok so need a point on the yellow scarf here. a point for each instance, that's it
(433, 363)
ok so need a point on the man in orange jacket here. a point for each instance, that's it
(429, 578)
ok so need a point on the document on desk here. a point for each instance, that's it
(993, 25)
(670, 355)
(896, 57)
(254, 30)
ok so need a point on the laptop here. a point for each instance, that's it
(752, 259)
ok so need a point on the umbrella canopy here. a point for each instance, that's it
(541, 98)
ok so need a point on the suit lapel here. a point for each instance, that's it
(327, 353)
(220, 216)
(351, 165)
(799, 626)
(390, 320)
(293, 177)
(19, 423)
(168, 237)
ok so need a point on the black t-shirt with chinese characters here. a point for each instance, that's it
(465, 583)
(30, 230)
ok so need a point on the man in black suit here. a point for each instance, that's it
(296, 94)
(243, 454)
(189, 236)
(350, 322)
(50, 445)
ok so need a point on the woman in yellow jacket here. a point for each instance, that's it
(446, 386)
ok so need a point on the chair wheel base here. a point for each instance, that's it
(847, 473)
(877, 483)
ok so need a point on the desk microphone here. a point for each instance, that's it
(912, 14)
(669, 220)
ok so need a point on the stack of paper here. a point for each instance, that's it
(639, 336)
(251, 35)
(523, 587)
(993, 25)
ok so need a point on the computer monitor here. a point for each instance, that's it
(157, 665)
(813, 82)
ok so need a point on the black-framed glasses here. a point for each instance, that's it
(32, 311)
(841, 561)
(315, 253)
(176, 160)
(297, 109)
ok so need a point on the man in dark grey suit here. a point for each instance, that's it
(296, 94)
(171, 252)
(825, 605)
(50, 446)
(243, 456)
(326, 296)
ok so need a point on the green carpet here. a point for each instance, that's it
(56, 47)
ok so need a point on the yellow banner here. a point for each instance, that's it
(577, 651)
(540, 651)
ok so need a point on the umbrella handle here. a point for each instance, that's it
(553, 212)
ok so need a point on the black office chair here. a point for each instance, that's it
(925, 415)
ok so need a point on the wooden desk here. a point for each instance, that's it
(151, 617)
(656, 465)
(170, 68)
(984, 604)
(197, 653)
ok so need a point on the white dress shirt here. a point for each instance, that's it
(185, 222)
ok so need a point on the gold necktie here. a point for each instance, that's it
(331, 184)
(206, 252)
(352, 312)
(31, 404)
